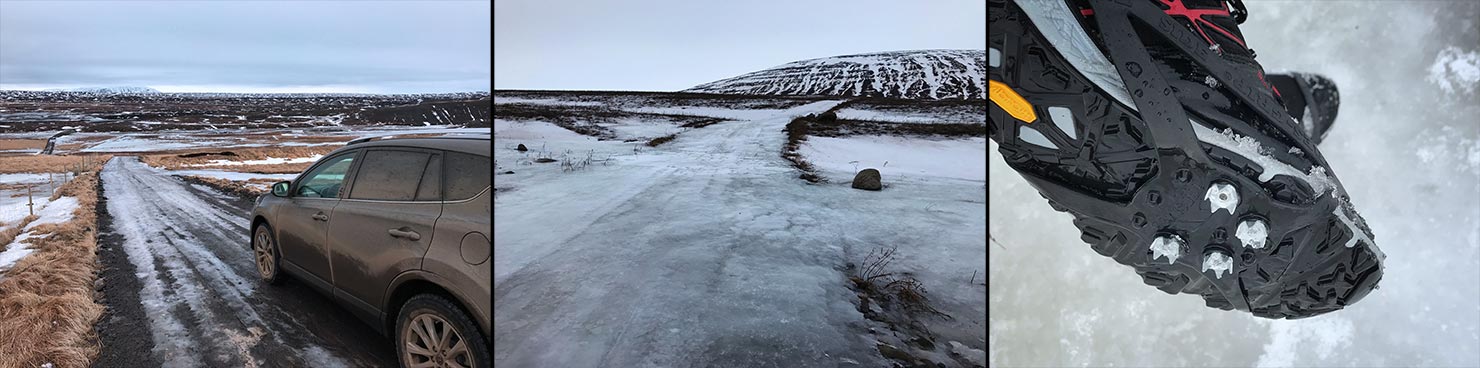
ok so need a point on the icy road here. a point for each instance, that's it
(181, 289)
(709, 251)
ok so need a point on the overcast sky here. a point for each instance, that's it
(667, 45)
(256, 46)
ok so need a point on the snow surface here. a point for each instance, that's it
(709, 251)
(54, 212)
(893, 156)
(266, 161)
(894, 117)
(1407, 150)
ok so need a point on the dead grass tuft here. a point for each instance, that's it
(47, 306)
(661, 140)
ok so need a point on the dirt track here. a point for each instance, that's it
(181, 290)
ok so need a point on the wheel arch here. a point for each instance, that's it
(412, 283)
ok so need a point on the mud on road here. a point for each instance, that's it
(180, 288)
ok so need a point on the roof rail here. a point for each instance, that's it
(361, 140)
(467, 135)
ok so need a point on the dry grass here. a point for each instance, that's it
(8, 234)
(47, 301)
(175, 161)
(51, 164)
(17, 144)
(236, 188)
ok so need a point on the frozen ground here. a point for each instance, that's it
(178, 269)
(709, 251)
(1407, 147)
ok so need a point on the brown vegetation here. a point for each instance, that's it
(19, 144)
(242, 189)
(796, 133)
(186, 160)
(51, 164)
(47, 304)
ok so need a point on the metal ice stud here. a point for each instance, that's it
(1218, 262)
(1170, 247)
(1252, 233)
(1222, 195)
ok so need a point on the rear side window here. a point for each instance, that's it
(389, 175)
(431, 181)
(467, 175)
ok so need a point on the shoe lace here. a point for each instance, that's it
(1240, 14)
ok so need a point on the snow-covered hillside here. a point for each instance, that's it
(920, 74)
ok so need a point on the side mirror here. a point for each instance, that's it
(280, 189)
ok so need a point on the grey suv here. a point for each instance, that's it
(396, 231)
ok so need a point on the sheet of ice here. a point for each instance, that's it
(708, 251)
(841, 158)
(1414, 182)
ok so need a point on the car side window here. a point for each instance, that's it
(325, 180)
(431, 181)
(389, 175)
(467, 175)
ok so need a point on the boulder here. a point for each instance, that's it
(522, 148)
(868, 179)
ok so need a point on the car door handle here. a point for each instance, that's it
(404, 234)
(320, 216)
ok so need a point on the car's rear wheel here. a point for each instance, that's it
(265, 252)
(433, 332)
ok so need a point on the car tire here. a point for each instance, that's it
(266, 257)
(435, 316)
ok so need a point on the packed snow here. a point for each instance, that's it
(1406, 147)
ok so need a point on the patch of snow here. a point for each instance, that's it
(960, 158)
(1456, 70)
(267, 161)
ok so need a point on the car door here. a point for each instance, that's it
(461, 252)
(303, 225)
(383, 226)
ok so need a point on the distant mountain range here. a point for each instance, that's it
(109, 90)
(916, 74)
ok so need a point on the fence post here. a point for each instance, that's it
(30, 205)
